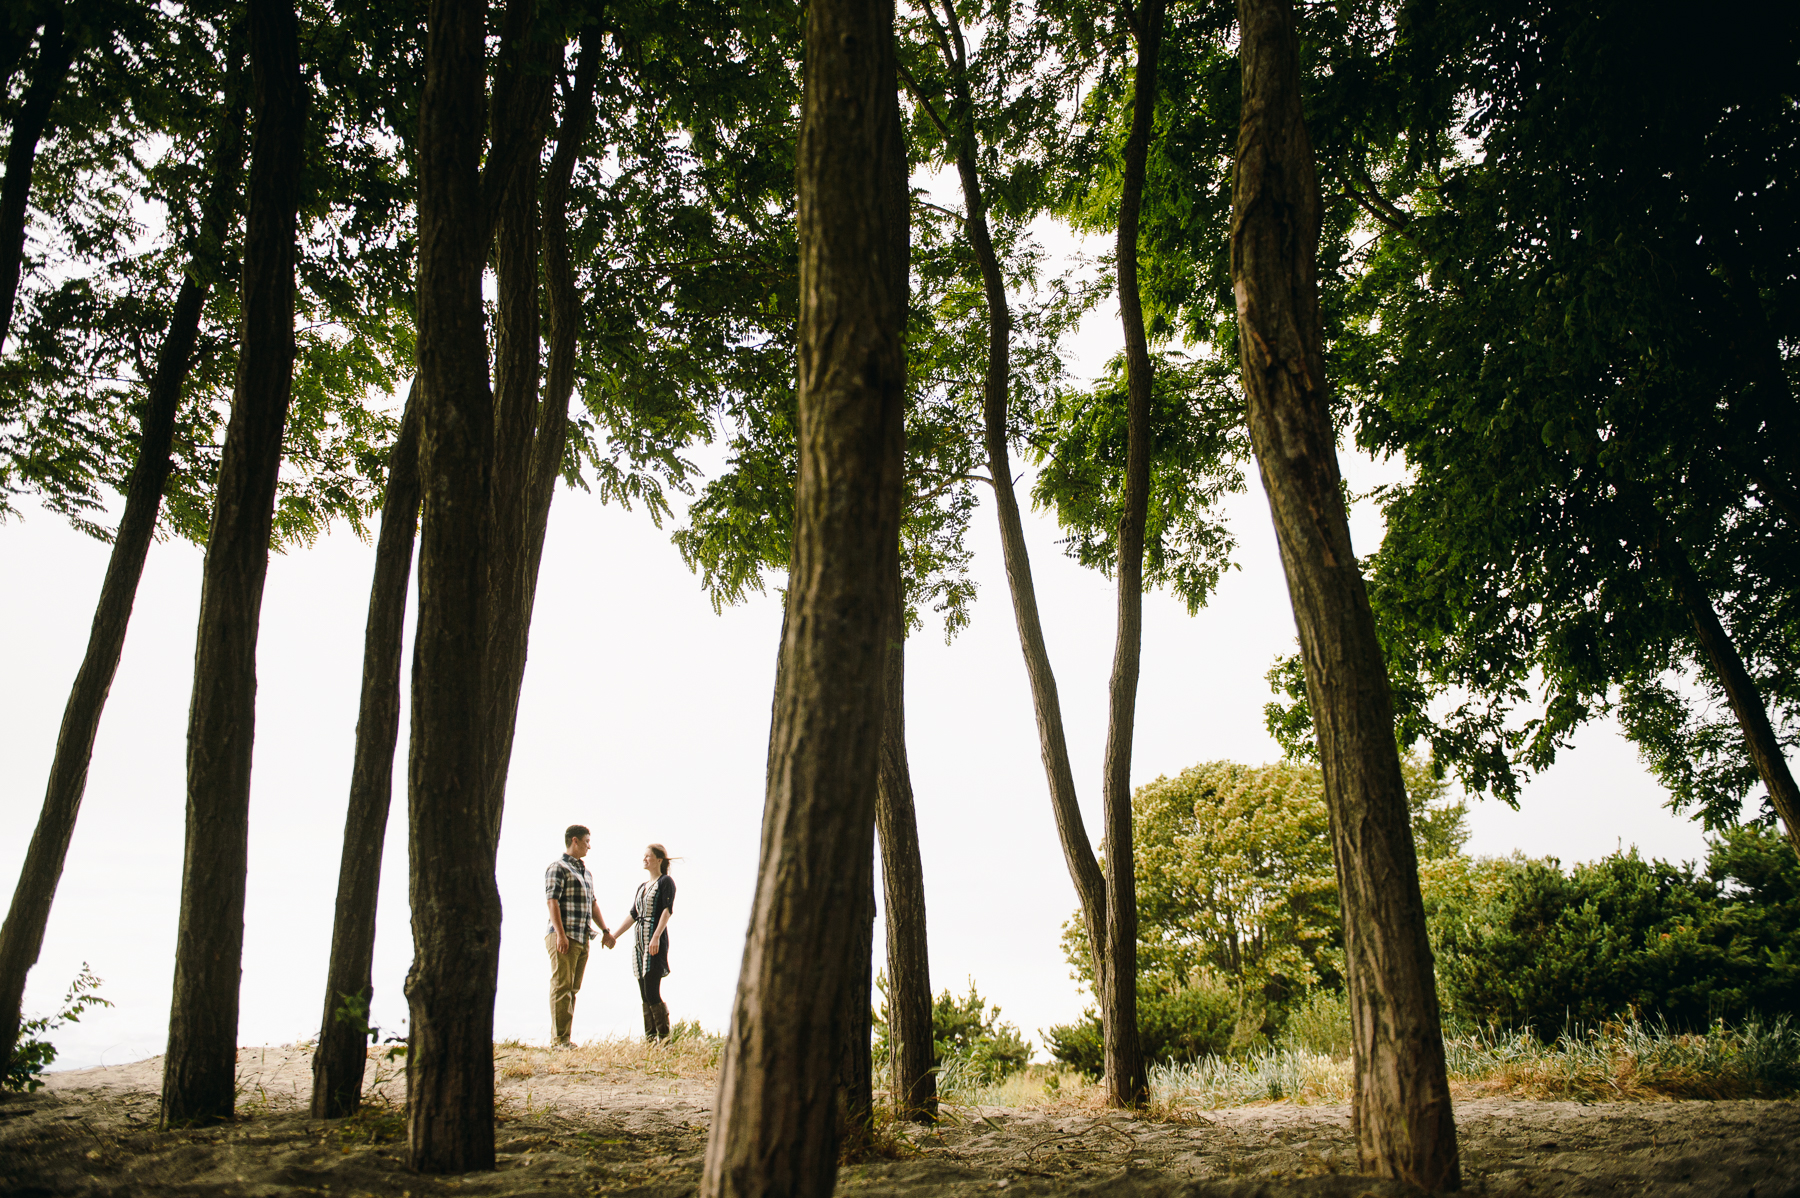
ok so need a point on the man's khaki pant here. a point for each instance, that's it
(565, 982)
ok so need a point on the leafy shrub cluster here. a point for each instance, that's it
(1522, 943)
(31, 1055)
(1237, 905)
(1240, 937)
(967, 1037)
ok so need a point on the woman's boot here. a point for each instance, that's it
(650, 1021)
(661, 1012)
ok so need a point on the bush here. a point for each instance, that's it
(31, 1055)
(1181, 1024)
(1520, 943)
(966, 1031)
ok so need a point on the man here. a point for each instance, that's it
(569, 893)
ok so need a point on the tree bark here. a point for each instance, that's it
(339, 1062)
(1740, 690)
(903, 887)
(563, 315)
(1401, 1100)
(450, 851)
(199, 1071)
(48, 72)
(1126, 1083)
(775, 1131)
(1078, 851)
(342, 1054)
(23, 935)
(522, 90)
(855, 1075)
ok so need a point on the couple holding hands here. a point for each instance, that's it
(569, 893)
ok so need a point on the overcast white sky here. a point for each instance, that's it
(645, 716)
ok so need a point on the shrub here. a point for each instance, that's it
(1177, 1024)
(31, 1055)
(1520, 943)
(965, 1031)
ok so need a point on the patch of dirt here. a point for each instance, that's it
(575, 1124)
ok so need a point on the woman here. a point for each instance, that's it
(650, 912)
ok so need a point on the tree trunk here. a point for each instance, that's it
(23, 935)
(1078, 851)
(450, 850)
(1742, 692)
(775, 1131)
(200, 1070)
(29, 125)
(856, 1083)
(1401, 1100)
(903, 887)
(343, 1045)
(339, 1062)
(1126, 1083)
(563, 316)
(522, 89)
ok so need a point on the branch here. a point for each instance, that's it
(918, 95)
(1373, 202)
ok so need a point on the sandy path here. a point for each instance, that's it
(639, 1127)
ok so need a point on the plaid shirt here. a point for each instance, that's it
(569, 885)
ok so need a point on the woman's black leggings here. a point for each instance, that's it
(651, 989)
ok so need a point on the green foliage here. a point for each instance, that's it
(1522, 943)
(31, 1054)
(966, 1033)
(1238, 916)
(1180, 1024)
(1578, 333)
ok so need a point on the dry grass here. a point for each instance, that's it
(689, 1053)
(1629, 1062)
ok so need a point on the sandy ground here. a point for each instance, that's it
(640, 1129)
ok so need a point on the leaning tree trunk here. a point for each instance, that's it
(903, 886)
(775, 1131)
(29, 124)
(1126, 1083)
(23, 935)
(200, 1069)
(451, 846)
(1740, 690)
(1401, 1099)
(342, 1054)
(1078, 851)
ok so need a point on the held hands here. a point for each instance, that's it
(607, 939)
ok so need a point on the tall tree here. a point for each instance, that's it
(341, 1055)
(775, 1128)
(200, 1069)
(957, 127)
(23, 935)
(1571, 338)
(1127, 1084)
(339, 1061)
(55, 50)
(911, 1063)
(1401, 1098)
(451, 842)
